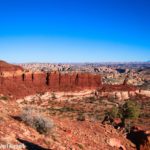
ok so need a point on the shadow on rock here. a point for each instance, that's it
(140, 139)
(31, 146)
(16, 118)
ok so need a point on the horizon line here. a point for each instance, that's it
(105, 62)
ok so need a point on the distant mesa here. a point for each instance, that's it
(19, 83)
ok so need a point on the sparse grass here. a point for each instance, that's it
(36, 120)
(99, 116)
(63, 109)
(81, 117)
(90, 100)
(53, 96)
(67, 109)
(90, 107)
(112, 99)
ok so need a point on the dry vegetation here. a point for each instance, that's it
(36, 120)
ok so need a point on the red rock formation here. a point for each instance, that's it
(22, 84)
(25, 84)
(14, 81)
(4, 66)
(111, 88)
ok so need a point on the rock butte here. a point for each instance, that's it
(18, 83)
(15, 81)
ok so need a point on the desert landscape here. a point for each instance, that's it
(74, 74)
(45, 107)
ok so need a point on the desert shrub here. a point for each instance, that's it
(91, 99)
(130, 110)
(53, 96)
(81, 117)
(34, 119)
(113, 113)
(128, 125)
(67, 109)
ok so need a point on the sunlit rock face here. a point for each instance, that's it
(145, 92)
(6, 67)
(15, 81)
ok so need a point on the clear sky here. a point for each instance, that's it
(74, 30)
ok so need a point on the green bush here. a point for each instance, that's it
(113, 113)
(130, 110)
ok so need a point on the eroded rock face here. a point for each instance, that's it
(119, 92)
(15, 81)
(19, 83)
(119, 95)
(22, 84)
(145, 92)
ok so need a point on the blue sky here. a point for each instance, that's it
(74, 30)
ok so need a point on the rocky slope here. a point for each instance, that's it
(68, 97)
(67, 134)
(4, 66)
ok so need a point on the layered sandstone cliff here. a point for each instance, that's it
(16, 82)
